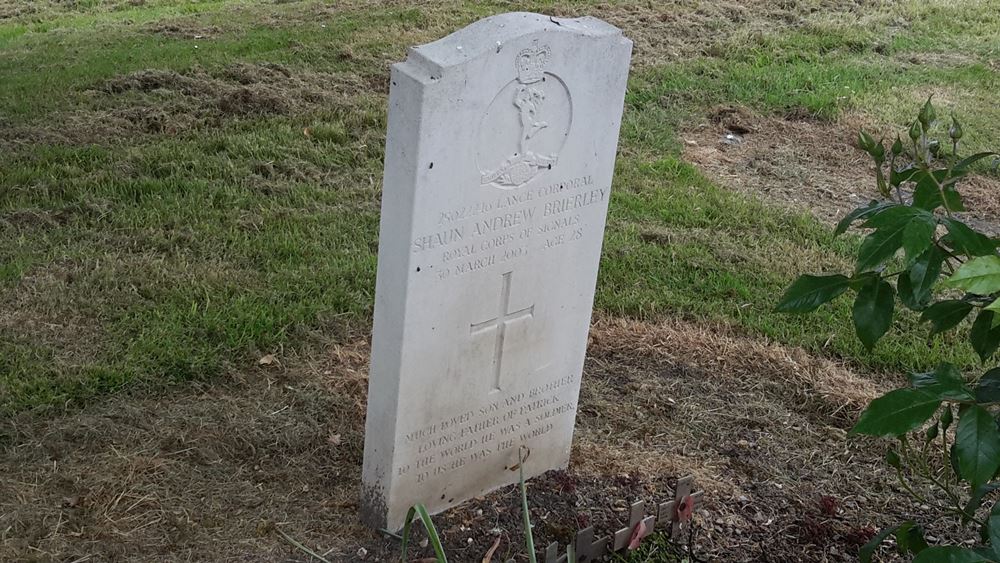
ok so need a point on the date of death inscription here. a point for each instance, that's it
(510, 226)
(475, 436)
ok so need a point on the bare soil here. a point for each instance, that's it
(214, 472)
(806, 164)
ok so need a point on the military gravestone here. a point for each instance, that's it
(499, 156)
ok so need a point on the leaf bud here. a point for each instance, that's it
(897, 146)
(865, 141)
(946, 418)
(927, 114)
(916, 130)
(892, 458)
(932, 432)
(878, 152)
(955, 131)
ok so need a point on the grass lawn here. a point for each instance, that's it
(187, 186)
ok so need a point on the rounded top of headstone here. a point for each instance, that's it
(489, 36)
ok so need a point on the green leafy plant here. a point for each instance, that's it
(919, 253)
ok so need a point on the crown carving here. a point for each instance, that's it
(531, 63)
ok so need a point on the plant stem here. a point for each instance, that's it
(529, 539)
(301, 547)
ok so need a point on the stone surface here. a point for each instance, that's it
(499, 157)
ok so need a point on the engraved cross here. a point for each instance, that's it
(499, 323)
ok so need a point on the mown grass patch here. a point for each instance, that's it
(171, 206)
(679, 245)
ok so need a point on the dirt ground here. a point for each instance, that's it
(806, 164)
(213, 473)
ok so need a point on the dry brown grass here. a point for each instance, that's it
(203, 474)
(662, 31)
(153, 103)
(208, 473)
(806, 164)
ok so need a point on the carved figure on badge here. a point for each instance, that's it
(529, 101)
(529, 98)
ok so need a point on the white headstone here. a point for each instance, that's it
(500, 151)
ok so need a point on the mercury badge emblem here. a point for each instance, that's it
(527, 123)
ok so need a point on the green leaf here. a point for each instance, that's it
(977, 444)
(407, 524)
(993, 527)
(988, 388)
(432, 534)
(967, 241)
(809, 292)
(861, 213)
(918, 236)
(979, 275)
(985, 337)
(872, 311)
(965, 163)
(946, 315)
(910, 538)
(976, 498)
(952, 199)
(897, 177)
(921, 277)
(949, 554)
(945, 383)
(867, 550)
(896, 413)
(926, 195)
(904, 288)
(894, 216)
(880, 246)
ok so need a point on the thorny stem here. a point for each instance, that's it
(892, 170)
(924, 161)
(945, 462)
(951, 269)
(923, 469)
(940, 187)
(909, 490)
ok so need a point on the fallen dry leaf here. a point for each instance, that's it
(489, 554)
(267, 360)
(334, 439)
